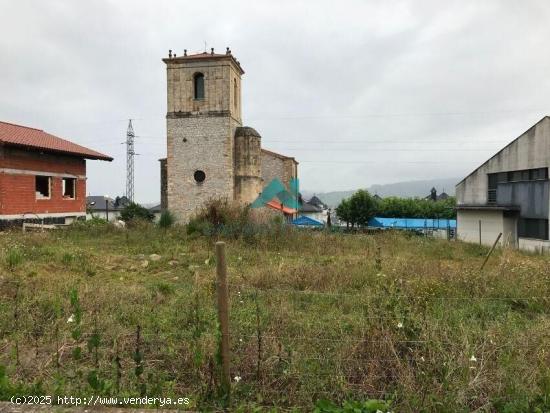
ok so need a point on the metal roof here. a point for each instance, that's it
(412, 223)
(307, 221)
(501, 150)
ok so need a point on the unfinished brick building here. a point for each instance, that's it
(42, 177)
(210, 154)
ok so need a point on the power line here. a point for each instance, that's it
(385, 162)
(391, 150)
(402, 114)
(130, 161)
(342, 116)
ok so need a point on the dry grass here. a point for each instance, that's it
(312, 317)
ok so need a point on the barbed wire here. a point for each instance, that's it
(240, 287)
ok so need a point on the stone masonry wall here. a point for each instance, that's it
(274, 166)
(198, 143)
(220, 78)
(247, 156)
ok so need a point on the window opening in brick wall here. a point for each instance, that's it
(69, 188)
(42, 187)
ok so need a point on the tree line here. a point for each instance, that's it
(358, 209)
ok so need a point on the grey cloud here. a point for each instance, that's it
(360, 92)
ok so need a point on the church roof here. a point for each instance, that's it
(277, 155)
(172, 58)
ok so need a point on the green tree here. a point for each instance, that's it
(394, 207)
(363, 207)
(134, 211)
(358, 209)
(343, 211)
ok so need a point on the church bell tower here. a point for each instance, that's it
(204, 111)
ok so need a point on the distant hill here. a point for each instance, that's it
(402, 189)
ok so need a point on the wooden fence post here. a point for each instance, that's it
(223, 314)
(491, 251)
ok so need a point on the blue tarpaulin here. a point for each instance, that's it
(412, 223)
(307, 221)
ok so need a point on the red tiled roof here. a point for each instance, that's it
(280, 207)
(17, 135)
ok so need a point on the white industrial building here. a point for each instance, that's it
(509, 194)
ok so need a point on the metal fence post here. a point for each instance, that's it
(480, 232)
(223, 314)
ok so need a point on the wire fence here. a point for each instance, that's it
(285, 346)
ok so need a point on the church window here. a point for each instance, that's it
(198, 85)
(235, 94)
(199, 176)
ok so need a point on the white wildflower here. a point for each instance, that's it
(400, 325)
(473, 358)
(237, 379)
(71, 319)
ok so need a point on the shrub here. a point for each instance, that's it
(166, 219)
(219, 216)
(134, 211)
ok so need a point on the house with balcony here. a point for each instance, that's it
(509, 194)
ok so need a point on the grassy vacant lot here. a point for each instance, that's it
(313, 316)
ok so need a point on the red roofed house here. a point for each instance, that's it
(41, 176)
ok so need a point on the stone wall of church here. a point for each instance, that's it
(198, 143)
(277, 166)
(222, 87)
(248, 166)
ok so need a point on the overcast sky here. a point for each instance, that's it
(360, 92)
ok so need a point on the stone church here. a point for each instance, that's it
(210, 154)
